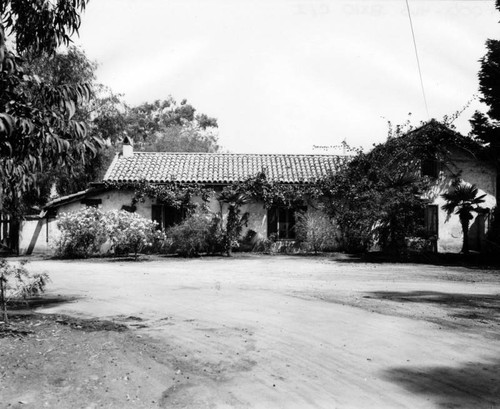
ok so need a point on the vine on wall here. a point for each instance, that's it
(261, 189)
(258, 188)
(172, 194)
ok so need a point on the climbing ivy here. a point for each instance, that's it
(379, 197)
(261, 189)
(176, 195)
(258, 188)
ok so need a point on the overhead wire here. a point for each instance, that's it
(418, 60)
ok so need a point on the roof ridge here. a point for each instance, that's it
(222, 167)
(111, 166)
(237, 154)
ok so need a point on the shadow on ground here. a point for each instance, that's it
(473, 385)
(37, 302)
(472, 261)
(454, 300)
(472, 306)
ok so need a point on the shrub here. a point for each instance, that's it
(233, 227)
(316, 232)
(194, 235)
(17, 283)
(216, 237)
(82, 233)
(252, 241)
(419, 244)
(132, 233)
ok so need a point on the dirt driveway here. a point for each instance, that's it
(293, 332)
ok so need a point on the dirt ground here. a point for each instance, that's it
(256, 332)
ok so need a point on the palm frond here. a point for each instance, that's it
(462, 196)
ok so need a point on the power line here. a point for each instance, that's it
(418, 60)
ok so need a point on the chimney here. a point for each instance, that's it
(128, 147)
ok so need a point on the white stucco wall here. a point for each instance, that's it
(43, 241)
(472, 171)
(257, 220)
(114, 200)
(35, 230)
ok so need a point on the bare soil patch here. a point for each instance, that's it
(256, 332)
(57, 361)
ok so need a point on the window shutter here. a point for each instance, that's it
(272, 221)
(173, 215)
(430, 167)
(156, 215)
(431, 219)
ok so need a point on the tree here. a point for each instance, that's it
(231, 231)
(102, 114)
(159, 126)
(167, 126)
(162, 126)
(463, 199)
(486, 127)
(377, 197)
(38, 127)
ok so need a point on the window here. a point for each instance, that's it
(431, 219)
(281, 222)
(430, 167)
(129, 208)
(166, 216)
(91, 202)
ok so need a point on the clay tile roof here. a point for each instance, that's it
(164, 167)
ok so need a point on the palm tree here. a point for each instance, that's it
(234, 222)
(463, 199)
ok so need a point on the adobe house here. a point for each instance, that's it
(467, 162)
(210, 170)
(217, 170)
(447, 227)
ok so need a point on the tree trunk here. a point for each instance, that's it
(464, 221)
(3, 300)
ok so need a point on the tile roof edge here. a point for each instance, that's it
(111, 166)
(61, 199)
(238, 154)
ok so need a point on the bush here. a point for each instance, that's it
(420, 244)
(132, 233)
(82, 233)
(253, 241)
(196, 234)
(216, 237)
(316, 232)
(17, 283)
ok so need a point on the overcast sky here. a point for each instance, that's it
(287, 76)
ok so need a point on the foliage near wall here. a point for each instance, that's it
(131, 233)
(272, 193)
(316, 232)
(176, 195)
(377, 197)
(226, 225)
(83, 233)
(38, 127)
(198, 233)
